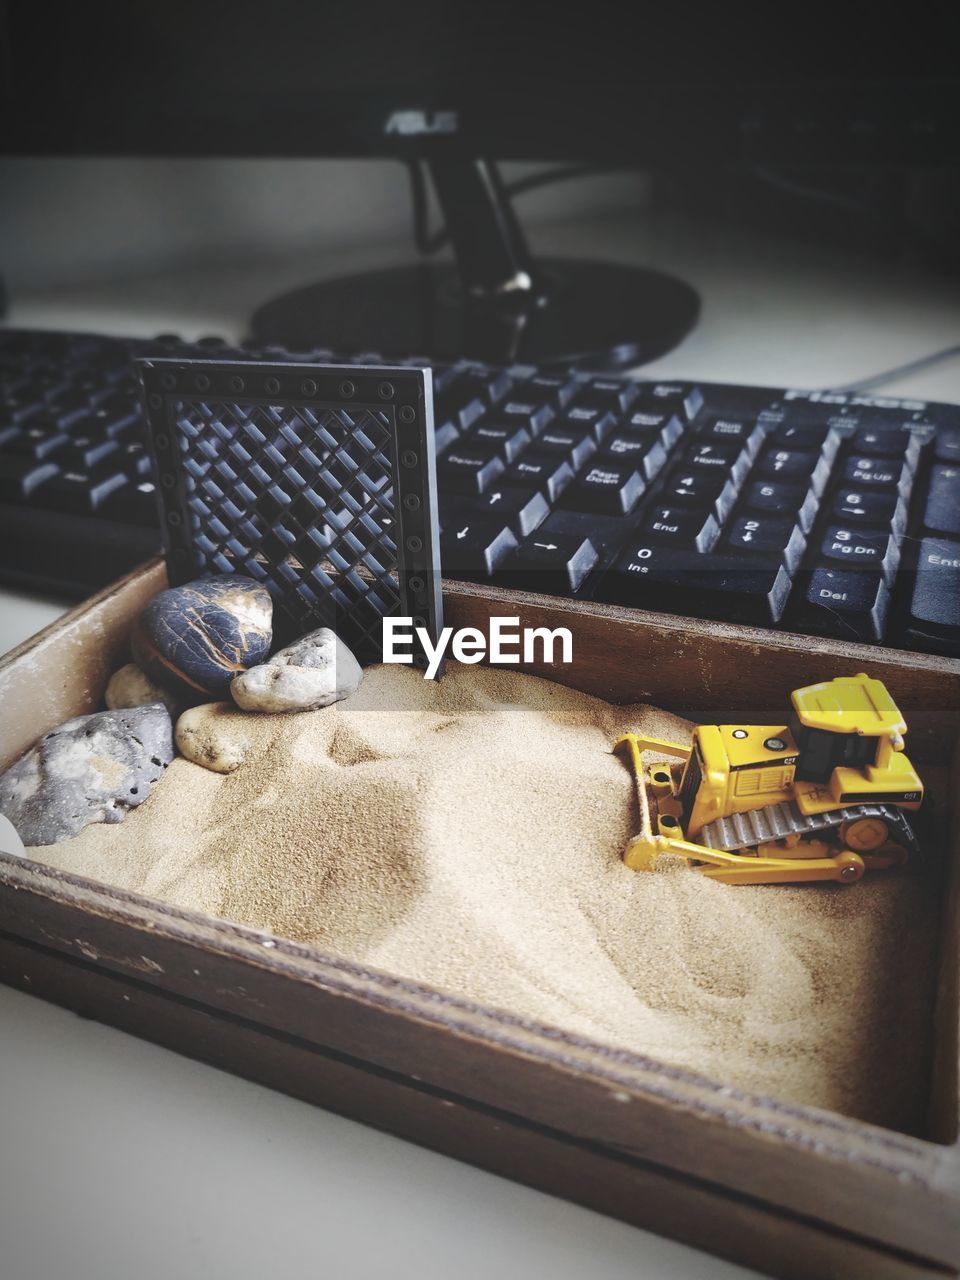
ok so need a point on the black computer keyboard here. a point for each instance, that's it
(820, 513)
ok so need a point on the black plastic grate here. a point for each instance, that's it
(319, 481)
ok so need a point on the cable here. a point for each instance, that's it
(890, 375)
(428, 242)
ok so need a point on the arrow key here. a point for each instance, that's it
(523, 509)
(857, 549)
(554, 564)
(864, 506)
(475, 548)
(776, 537)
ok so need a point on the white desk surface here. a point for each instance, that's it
(120, 1159)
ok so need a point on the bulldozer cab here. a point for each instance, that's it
(848, 722)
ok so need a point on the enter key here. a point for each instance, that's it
(933, 620)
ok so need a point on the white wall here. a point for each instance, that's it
(67, 222)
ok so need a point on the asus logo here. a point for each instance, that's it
(410, 123)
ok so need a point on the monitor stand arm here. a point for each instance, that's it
(496, 303)
(498, 281)
(488, 241)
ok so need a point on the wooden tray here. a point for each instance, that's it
(789, 1189)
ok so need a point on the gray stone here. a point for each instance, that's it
(313, 672)
(131, 687)
(91, 769)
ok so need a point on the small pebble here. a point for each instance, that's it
(212, 735)
(131, 687)
(91, 769)
(196, 638)
(313, 672)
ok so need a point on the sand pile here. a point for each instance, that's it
(468, 834)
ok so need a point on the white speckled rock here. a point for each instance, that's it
(92, 769)
(131, 687)
(10, 842)
(313, 672)
(212, 735)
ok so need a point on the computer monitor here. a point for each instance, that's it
(453, 89)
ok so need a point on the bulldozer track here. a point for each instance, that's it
(777, 821)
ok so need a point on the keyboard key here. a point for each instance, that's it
(773, 496)
(117, 426)
(132, 504)
(647, 455)
(475, 547)
(19, 477)
(882, 442)
(605, 489)
(480, 381)
(134, 459)
(845, 604)
(661, 577)
(606, 533)
(698, 487)
(680, 527)
(38, 442)
(80, 492)
(554, 564)
(806, 439)
(947, 445)
(712, 455)
(556, 390)
(934, 610)
(670, 397)
(865, 506)
(589, 420)
(775, 537)
(523, 509)
(523, 413)
(666, 425)
(875, 473)
(859, 548)
(942, 511)
(86, 451)
(613, 394)
(450, 408)
(787, 464)
(567, 443)
(444, 436)
(469, 471)
(546, 471)
(509, 441)
(738, 430)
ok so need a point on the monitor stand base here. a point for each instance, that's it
(497, 303)
(598, 315)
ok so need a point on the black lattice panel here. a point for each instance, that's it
(318, 481)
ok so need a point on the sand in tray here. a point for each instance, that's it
(468, 834)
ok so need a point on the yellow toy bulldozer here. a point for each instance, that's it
(820, 798)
